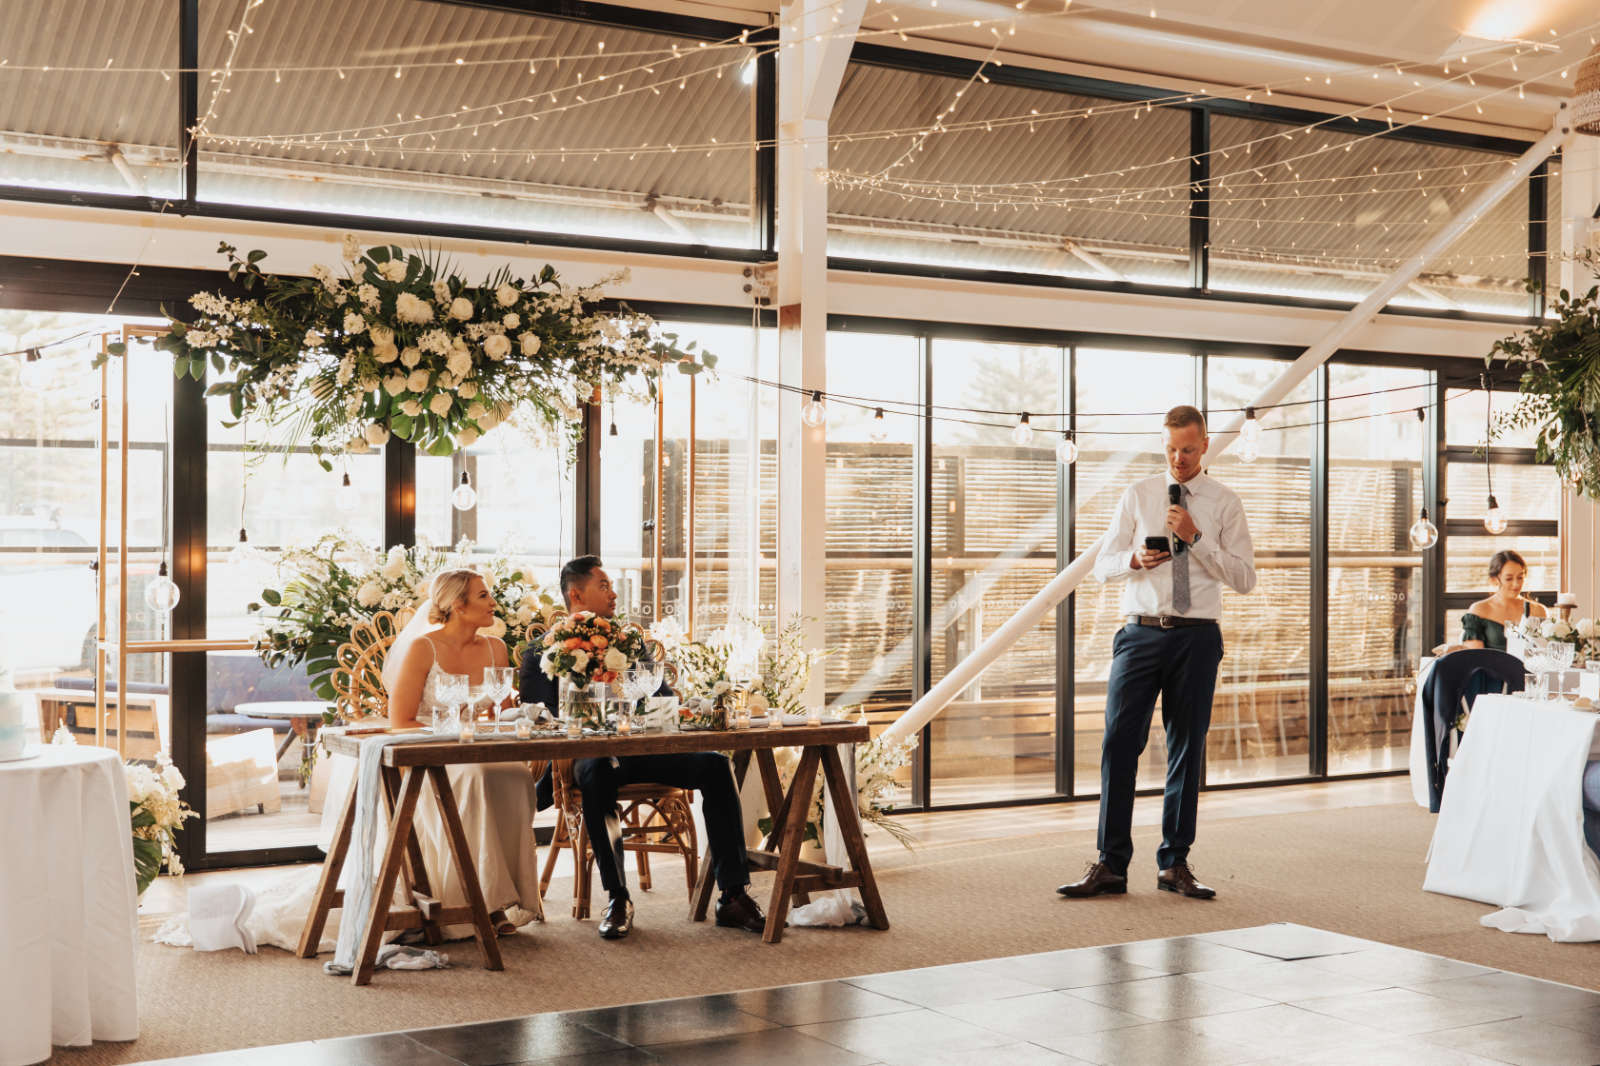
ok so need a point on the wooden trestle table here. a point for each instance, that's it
(406, 766)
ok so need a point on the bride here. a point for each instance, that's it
(496, 799)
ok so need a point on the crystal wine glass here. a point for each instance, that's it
(498, 680)
(450, 693)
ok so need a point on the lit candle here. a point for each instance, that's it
(524, 729)
(813, 716)
(469, 729)
(624, 725)
(574, 726)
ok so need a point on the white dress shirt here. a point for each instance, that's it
(1222, 556)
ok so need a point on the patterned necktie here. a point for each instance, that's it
(1180, 570)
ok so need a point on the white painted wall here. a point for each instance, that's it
(1580, 516)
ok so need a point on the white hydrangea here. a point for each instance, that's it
(354, 323)
(441, 292)
(434, 342)
(370, 594)
(368, 295)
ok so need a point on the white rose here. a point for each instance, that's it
(758, 701)
(354, 323)
(418, 380)
(394, 384)
(1547, 628)
(468, 390)
(440, 404)
(447, 380)
(497, 347)
(460, 363)
(511, 320)
(394, 567)
(476, 410)
(376, 435)
(381, 334)
(615, 661)
(467, 437)
(524, 615)
(461, 309)
(171, 777)
(580, 660)
(547, 663)
(507, 294)
(410, 358)
(410, 408)
(1561, 630)
(385, 353)
(408, 308)
(496, 629)
(393, 270)
(720, 687)
(369, 594)
(1586, 628)
(530, 343)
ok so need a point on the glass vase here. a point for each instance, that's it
(584, 704)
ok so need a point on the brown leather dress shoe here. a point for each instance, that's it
(1180, 879)
(741, 912)
(1098, 880)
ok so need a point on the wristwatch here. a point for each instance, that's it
(1196, 540)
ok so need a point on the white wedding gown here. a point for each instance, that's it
(497, 804)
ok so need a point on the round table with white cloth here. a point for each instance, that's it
(68, 905)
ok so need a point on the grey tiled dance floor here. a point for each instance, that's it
(1270, 995)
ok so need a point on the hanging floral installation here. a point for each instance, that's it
(402, 345)
(1560, 385)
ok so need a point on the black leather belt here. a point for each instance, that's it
(1168, 621)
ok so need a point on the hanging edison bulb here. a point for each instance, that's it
(814, 413)
(348, 497)
(1251, 430)
(162, 594)
(1494, 519)
(1248, 451)
(246, 554)
(1423, 534)
(1067, 449)
(465, 498)
(35, 373)
(1022, 435)
(878, 431)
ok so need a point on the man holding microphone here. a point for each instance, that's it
(1176, 539)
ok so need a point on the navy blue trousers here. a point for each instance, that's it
(1179, 666)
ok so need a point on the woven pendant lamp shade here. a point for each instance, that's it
(1586, 95)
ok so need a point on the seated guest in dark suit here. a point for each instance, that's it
(586, 587)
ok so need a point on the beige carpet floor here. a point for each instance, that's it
(1355, 870)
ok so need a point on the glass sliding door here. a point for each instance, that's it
(1374, 574)
(994, 511)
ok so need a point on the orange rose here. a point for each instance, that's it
(573, 643)
(602, 623)
(602, 643)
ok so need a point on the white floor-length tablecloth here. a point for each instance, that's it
(1510, 829)
(68, 905)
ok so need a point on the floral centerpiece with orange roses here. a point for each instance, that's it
(584, 653)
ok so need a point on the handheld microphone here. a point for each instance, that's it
(1175, 497)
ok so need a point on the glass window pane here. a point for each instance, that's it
(1260, 716)
(1374, 576)
(1115, 449)
(545, 124)
(1524, 491)
(871, 512)
(1464, 413)
(994, 545)
(1467, 564)
(113, 131)
(1000, 217)
(1329, 215)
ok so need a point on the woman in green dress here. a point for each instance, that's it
(1484, 625)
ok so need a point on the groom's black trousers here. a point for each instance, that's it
(1180, 666)
(710, 774)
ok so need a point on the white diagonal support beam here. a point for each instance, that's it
(1061, 586)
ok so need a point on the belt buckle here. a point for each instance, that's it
(1165, 620)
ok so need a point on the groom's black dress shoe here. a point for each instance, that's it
(741, 912)
(617, 921)
(1180, 879)
(1099, 879)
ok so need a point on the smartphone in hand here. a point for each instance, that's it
(1157, 544)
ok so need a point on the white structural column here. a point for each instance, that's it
(1571, 234)
(1061, 586)
(814, 47)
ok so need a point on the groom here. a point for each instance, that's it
(586, 587)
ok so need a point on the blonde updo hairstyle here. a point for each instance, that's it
(447, 592)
